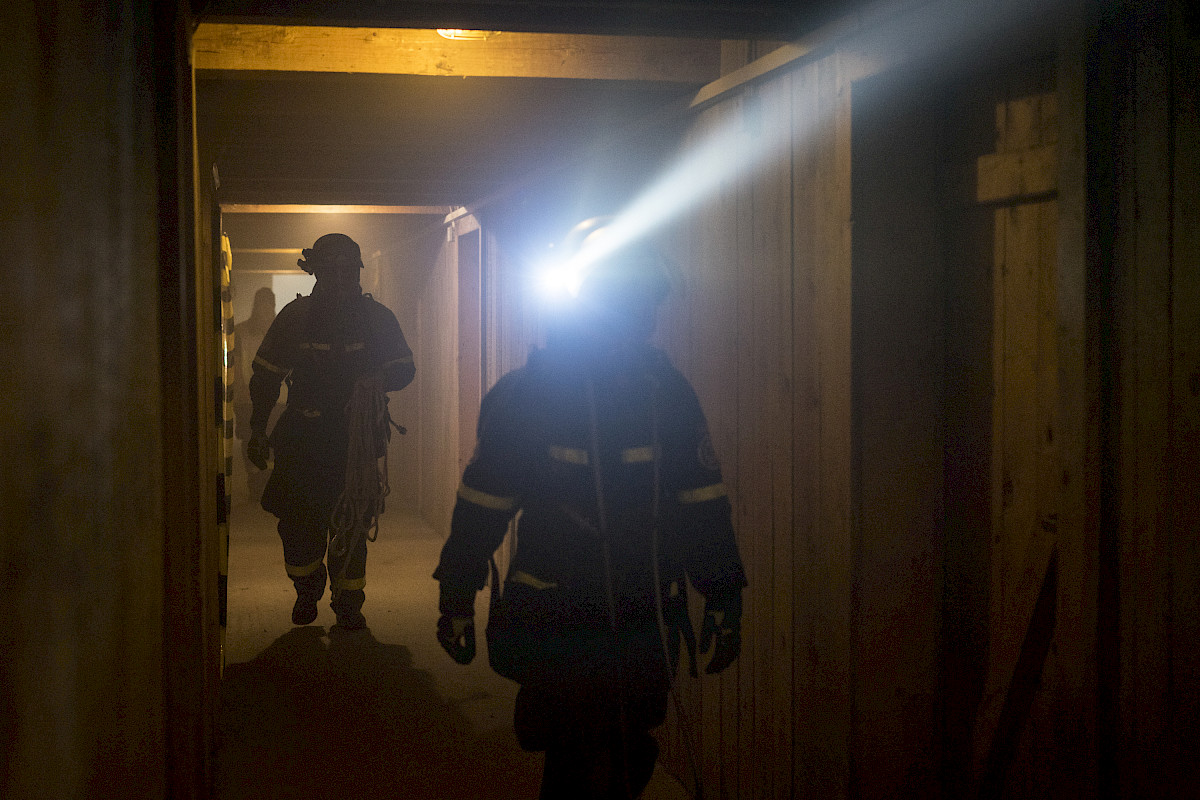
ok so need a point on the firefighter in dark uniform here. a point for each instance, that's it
(602, 446)
(323, 345)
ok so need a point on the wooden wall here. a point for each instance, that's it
(1143, 125)
(101, 535)
(904, 393)
(761, 325)
(899, 393)
(407, 264)
(1181, 501)
(422, 286)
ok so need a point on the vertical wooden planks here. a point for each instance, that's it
(773, 243)
(1145, 346)
(753, 488)
(898, 363)
(1027, 459)
(470, 356)
(806, 748)
(437, 387)
(722, 335)
(1025, 464)
(1075, 648)
(823, 571)
(1183, 498)
(1025, 525)
(701, 331)
(837, 435)
(821, 576)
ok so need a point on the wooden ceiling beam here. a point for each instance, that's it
(410, 51)
(710, 19)
(292, 208)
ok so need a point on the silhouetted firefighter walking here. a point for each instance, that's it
(337, 348)
(602, 446)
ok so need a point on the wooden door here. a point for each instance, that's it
(1017, 181)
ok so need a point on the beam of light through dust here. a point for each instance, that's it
(743, 143)
(946, 36)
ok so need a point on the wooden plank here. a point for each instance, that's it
(1144, 303)
(772, 246)
(1011, 175)
(862, 29)
(898, 483)
(410, 51)
(808, 742)
(436, 388)
(969, 419)
(295, 208)
(747, 498)
(1021, 692)
(1032, 766)
(826, 630)
(700, 329)
(1184, 500)
(722, 332)
(470, 333)
(1074, 657)
(1025, 529)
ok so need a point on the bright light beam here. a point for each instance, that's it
(766, 128)
(744, 143)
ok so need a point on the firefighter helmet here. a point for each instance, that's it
(614, 267)
(331, 250)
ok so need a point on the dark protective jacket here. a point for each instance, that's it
(593, 451)
(321, 348)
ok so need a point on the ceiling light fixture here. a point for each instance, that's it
(459, 34)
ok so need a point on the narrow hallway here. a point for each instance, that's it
(316, 712)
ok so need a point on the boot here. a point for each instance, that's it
(347, 604)
(309, 590)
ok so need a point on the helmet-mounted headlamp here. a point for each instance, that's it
(615, 266)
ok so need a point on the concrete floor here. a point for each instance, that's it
(314, 713)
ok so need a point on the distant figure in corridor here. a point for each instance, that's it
(247, 337)
(602, 446)
(328, 345)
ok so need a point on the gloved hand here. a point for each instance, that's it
(258, 449)
(372, 382)
(723, 625)
(456, 635)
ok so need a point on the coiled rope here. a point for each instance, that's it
(357, 510)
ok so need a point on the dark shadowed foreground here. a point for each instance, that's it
(318, 713)
(346, 715)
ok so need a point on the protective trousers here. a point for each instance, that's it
(597, 747)
(305, 545)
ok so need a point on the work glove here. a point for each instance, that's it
(373, 382)
(258, 449)
(456, 635)
(722, 625)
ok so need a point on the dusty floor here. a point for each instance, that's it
(318, 714)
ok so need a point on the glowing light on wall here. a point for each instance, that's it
(462, 35)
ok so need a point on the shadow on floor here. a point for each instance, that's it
(341, 715)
